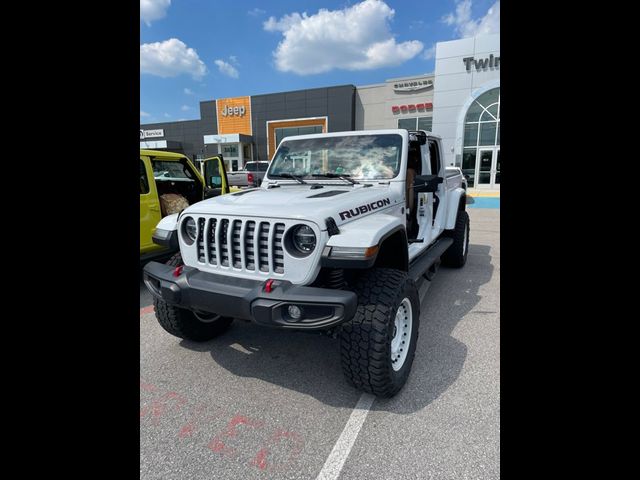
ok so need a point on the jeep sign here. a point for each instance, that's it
(237, 111)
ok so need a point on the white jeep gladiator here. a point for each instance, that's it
(342, 228)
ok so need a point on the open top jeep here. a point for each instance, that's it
(335, 239)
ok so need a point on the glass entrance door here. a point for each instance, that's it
(231, 155)
(488, 168)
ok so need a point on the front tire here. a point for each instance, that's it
(456, 254)
(378, 345)
(182, 323)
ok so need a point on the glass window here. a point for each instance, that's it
(487, 117)
(488, 133)
(473, 114)
(144, 180)
(359, 156)
(471, 134)
(469, 165)
(493, 110)
(163, 170)
(489, 97)
(407, 123)
(230, 150)
(498, 140)
(291, 131)
(246, 151)
(425, 123)
(212, 174)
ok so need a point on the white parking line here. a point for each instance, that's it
(333, 466)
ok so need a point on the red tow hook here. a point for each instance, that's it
(268, 286)
(178, 271)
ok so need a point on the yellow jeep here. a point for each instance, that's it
(163, 173)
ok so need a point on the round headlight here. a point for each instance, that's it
(304, 239)
(190, 229)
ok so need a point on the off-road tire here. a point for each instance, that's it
(183, 323)
(456, 254)
(365, 340)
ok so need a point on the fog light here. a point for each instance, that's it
(295, 312)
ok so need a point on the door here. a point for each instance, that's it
(231, 156)
(488, 168)
(215, 177)
(149, 207)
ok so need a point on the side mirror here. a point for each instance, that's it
(427, 183)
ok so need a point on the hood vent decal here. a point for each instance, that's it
(330, 193)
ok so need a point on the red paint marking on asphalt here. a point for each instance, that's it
(159, 407)
(145, 310)
(285, 443)
(147, 387)
(186, 431)
(217, 445)
(197, 418)
(261, 459)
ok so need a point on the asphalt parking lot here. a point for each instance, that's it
(263, 403)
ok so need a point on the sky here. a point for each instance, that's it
(195, 50)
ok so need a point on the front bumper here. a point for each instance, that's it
(248, 300)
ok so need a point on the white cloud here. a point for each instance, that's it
(354, 38)
(256, 12)
(233, 59)
(188, 91)
(285, 23)
(465, 26)
(185, 108)
(227, 69)
(429, 53)
(166, 115)
(170, 59)
(144, 114)
(151, 10)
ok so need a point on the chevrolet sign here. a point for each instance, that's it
(412, 86)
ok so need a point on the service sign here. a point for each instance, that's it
(158, 133)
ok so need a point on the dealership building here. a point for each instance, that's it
(460, 101)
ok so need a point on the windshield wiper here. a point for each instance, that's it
(290, 175)
(344, 177)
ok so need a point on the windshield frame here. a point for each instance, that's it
(357, 170)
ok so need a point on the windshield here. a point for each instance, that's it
(356, 156)
(170, 170)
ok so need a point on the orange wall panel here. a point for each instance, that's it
(272, 125)
(234, 115)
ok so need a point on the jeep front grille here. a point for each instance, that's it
(247, 245)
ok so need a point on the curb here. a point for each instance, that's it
(483, 194)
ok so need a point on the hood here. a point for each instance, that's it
(300, 202)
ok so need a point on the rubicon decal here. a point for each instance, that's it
(369, 207)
